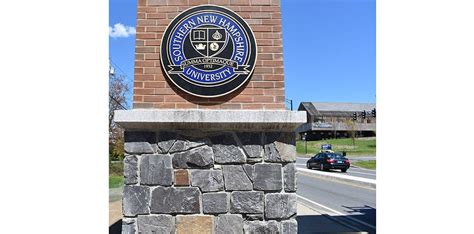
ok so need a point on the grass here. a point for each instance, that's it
(115, 175)
(115, 181)
(363, 146)
(370, 164)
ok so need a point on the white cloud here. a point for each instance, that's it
(120, 30)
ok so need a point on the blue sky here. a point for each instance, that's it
(328, 46)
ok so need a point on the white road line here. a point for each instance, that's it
(335, 211)
(321, 205)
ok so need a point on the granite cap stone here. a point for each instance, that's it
(280, 120)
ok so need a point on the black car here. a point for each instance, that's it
(325, 161)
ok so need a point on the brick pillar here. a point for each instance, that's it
(265, 90)
(189, 169)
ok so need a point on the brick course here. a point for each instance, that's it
(265, 90)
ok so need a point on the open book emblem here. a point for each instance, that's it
(208, 41)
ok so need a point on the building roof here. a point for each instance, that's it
(308, 106)
(342, 106)
(335, 108)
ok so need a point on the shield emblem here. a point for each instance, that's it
(208, 41)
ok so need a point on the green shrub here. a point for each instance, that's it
(116, 168)
(116, 152)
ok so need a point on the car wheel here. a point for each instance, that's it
(321, 167)
(344, 170)
(308, 166)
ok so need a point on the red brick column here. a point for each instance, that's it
(265, 90)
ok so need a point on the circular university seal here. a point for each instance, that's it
(208, 51)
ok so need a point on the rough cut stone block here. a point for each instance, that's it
(289, 226)
(235, 178)
(181, 177)
(280, 205)
(248, 202)
(289, 172)
(155, 224)
(156, 170)
(214, 203)
(140, 142)
(129, 226)
(169, 200)
(249, 170)
(252, 144)
(184, 143)
(165, 141)
(201, 157)
(226, 149)
(280, 147)
(270, 227)
(186, 224)
(207, 180)
(229, 223)
(267, 177)
(287, 151)
(130, 170)
(138, 148)
(136, 200)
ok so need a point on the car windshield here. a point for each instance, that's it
(335, 156)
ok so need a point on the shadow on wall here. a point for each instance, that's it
(318, 224)
(116, 228)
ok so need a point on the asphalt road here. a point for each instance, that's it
(353, 171)
(347, 205)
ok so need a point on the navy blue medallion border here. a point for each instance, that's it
(208, 51)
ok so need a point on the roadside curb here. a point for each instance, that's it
(363, 182)
(354, 166)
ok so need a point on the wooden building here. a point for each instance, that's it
(337, 120)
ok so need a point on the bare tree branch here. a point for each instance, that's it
(118, 89)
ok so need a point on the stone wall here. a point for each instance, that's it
(209, 182)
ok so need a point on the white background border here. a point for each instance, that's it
(54, 134)
(425, 71)
(53, 137)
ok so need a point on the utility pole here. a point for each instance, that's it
(290, 101)
(305, 145)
